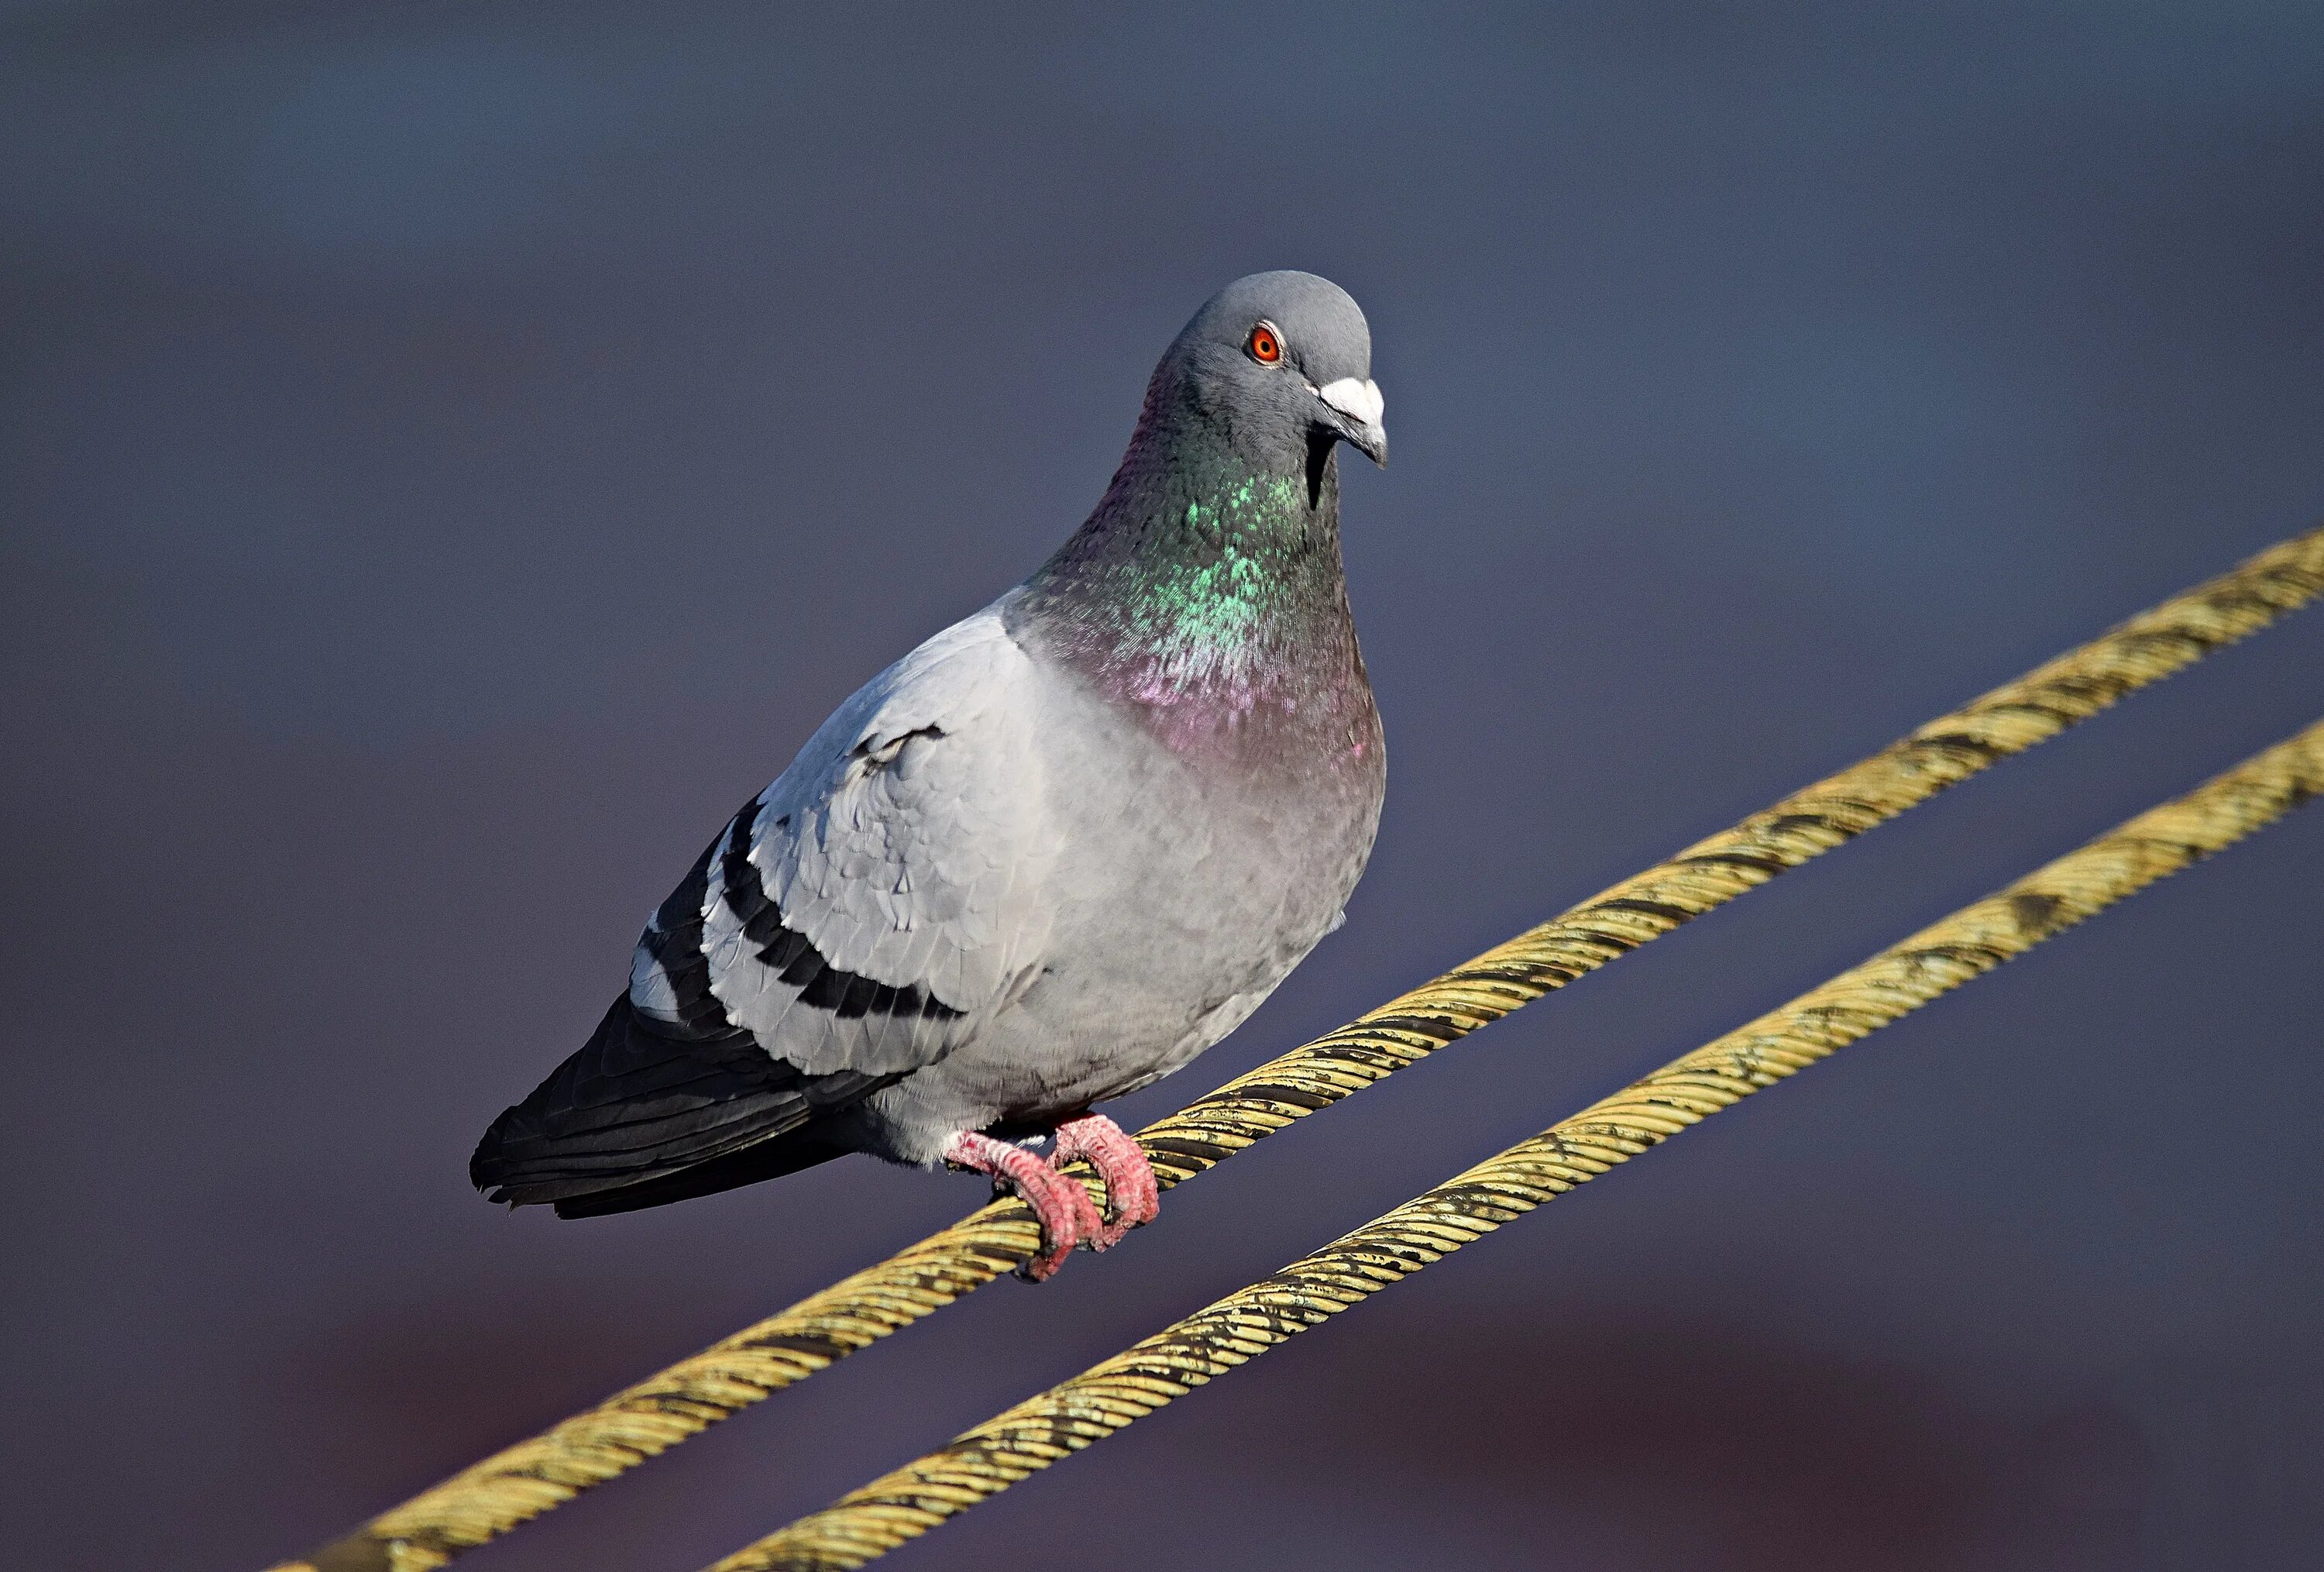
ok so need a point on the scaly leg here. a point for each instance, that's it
(1067, 1215)
(1131, 1197)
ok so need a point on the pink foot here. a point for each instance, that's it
(1067, 1214)
(1132, 1199)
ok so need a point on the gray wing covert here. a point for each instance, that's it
(869, 910)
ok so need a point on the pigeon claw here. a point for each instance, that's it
(1132, 1198)
(1067, 1215)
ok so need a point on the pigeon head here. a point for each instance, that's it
(1279, 365)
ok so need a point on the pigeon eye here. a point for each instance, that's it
(1265, 345)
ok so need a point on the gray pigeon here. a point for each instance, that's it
(1045, 859)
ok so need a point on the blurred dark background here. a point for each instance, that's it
(453, 453)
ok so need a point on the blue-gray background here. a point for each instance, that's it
(453, 453)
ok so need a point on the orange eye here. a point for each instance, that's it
(1264, 344)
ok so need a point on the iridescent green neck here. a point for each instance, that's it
(1208, 593)
(1204, 563)
(1238, 571)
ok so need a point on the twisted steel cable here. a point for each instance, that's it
(867, 1523)
(535, 1475)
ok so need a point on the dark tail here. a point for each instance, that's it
(642, 1116)
(771, 1158)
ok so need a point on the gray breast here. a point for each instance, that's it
(1186, 894)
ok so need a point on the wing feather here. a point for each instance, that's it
(872, 908)
(855, 921)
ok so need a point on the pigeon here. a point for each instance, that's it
(1044, 860)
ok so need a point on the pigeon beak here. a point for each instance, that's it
(1357, 401)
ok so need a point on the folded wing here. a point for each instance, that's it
(855, 922)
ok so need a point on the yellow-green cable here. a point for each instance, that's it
(868, 1523)
(534, 1475)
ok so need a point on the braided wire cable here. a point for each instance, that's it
(980, 1464)
(541, 1473)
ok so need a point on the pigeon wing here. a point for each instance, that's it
(867, 911)
(855, 921)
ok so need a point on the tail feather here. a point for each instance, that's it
(770, 1158)
(637, 1107)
